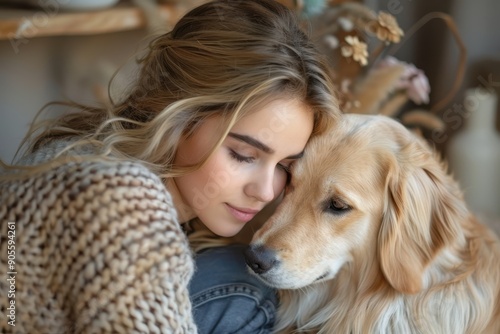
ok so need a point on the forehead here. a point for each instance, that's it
(275, 115)
(280, 124)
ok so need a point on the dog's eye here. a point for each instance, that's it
(336, 205)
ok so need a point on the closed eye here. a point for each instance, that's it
(336, 206)
(285, 168)
(288, 171)
(240, 158)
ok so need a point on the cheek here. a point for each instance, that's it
(215, 174)
(205, 184)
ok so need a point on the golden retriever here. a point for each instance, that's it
(373, 236)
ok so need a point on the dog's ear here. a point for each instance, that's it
(423, 208)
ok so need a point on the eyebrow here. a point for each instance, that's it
(260, 145)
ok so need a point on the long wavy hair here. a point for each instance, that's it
(222, 58)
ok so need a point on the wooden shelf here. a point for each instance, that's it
(17, 24)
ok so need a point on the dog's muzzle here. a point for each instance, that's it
(260, 258)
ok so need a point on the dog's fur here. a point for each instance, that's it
(373, 236)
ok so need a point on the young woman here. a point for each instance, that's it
(91, 215)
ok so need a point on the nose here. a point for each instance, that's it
(260, 258)
(261, 187)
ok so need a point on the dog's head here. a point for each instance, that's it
(370, 191)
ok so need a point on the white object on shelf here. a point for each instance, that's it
(71, 5)
(88, 4)
(474, 153)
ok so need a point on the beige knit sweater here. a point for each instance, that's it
(97, 249)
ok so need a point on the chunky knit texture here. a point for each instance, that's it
(98, 250)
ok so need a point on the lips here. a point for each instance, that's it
(242, 214)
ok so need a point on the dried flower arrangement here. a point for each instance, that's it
(357, 40)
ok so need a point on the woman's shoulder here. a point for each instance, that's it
(93, 227)
(93, 177)
(88, 182)
(82, 163)
(49, 151)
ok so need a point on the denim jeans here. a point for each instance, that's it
(226, 298)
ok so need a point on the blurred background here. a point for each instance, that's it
(69, 49)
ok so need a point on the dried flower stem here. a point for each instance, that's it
(377, 52)
(461, 46)
(375, 87)
(393, 104)
(351, 9)
(423, 118)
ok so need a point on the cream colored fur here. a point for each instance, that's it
(403, 256)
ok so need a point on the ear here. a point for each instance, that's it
(423, 210)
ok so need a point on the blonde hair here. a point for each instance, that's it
(224, 58)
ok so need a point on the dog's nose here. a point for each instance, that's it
(260, 258)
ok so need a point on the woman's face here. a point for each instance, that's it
(247, 171)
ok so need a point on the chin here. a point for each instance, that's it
(226, 231)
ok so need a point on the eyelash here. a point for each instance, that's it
(285, 168)
(241, 158)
